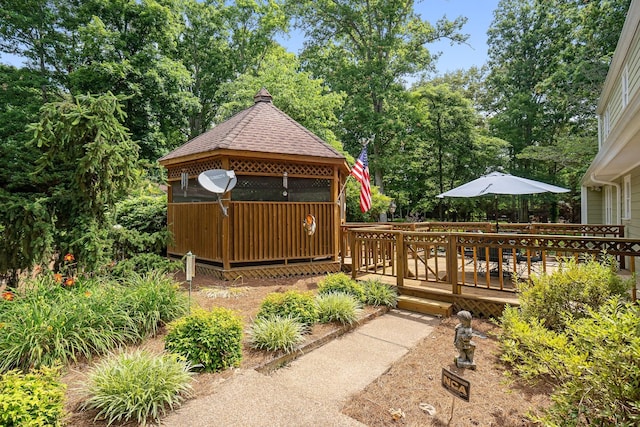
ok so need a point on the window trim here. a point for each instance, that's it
(624, 83)
(626, 193)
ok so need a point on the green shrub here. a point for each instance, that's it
(276, 333)
(338, 307)
(379, 294)
(137, 386)
(145, 262)
(566, 334)
(340, 282)
(570, 291)
(295, 304)
(604, 389)
(153, 300)
(145, 213)
(33, 399)
(533, 351)
(208, 340)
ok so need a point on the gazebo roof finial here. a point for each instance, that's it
(263, 96)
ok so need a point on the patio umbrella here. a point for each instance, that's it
(501, 183)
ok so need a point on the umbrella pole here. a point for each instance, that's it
(496, 213)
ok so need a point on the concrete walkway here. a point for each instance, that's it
(312, 389)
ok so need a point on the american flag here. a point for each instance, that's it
(361, 172)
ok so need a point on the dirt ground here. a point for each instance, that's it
(396, 398)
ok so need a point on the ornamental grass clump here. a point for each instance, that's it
(338, 307)
(340, 282)
(379, 294)
(152, 300)
(295, 304)
(208, 340)
(276, 333)
(137, 386)
(47, 324)
(32, 399)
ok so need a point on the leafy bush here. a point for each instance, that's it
(338, 307)
(586, 347)
(145, 262)
(570, 291)
(137, 386)
(295, 304)
(604, 389)
(276, 333)
(378, 294)
(210, 340)
(145, 213)
(139, 234)
(531, 349)
(33, 399)
(340, 282)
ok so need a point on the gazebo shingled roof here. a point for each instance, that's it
(261, 128)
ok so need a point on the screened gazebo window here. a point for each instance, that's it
(191, 194)
(271, 189)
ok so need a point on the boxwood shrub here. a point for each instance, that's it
(32, 399)
(340, 282)
(208, 340)
(294, 304)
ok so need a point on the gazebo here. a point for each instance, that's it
(282, 217)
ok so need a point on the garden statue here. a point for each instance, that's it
(463, 343)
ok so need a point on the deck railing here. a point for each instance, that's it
(480, 260)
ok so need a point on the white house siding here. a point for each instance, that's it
(632, 225)
(595, 207)
(619, 153)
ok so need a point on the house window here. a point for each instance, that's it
(608, 205)
(625, 86)
(627, 197)
(605, 124)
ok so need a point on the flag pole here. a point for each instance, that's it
(364, 145)
(343, 187)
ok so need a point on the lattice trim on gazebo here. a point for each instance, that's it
(194, 169)
(277, 168)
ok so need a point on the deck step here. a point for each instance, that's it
(425, 306)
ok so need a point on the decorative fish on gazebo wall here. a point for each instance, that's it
(309, 224)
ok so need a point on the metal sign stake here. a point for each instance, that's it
(191, 271)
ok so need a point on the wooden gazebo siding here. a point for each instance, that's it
(271, 231)
(196, 227)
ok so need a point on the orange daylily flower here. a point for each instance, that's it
(57, 277)
(87, 294)
(69, 257)
(69, 281)
(7, 296)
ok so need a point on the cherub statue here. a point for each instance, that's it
(463, 343)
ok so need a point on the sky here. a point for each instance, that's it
(479, 15)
